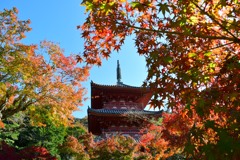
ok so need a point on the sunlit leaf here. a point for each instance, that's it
(190, 55)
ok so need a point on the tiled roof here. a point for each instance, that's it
(117, 85)
(123, 112)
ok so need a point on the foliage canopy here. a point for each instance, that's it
(192, 54)
(39, 80)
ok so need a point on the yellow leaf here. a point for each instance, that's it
(193, 20)
(190, 55)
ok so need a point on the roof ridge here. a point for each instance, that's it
(118, 85)
(123, 111)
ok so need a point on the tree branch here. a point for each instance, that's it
(234, 40)
(220, 46)
(3, 76)
(213, 19)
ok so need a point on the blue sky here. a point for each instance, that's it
(56, 21)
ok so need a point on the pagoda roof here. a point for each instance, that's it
(118, 85)
(144, 93)
(121, 112)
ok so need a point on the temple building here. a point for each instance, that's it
(119, 109)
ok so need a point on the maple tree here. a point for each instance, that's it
(72, 148)
(37, 79)
(192, 55)
(22, 137)
(49, 137)
(112, 147)
(39, 153)
(9, 152)
(115, 147)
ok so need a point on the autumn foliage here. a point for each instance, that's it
(192, 51)
(9, 152)
(192, 55)
(72, 148)
(37, 79)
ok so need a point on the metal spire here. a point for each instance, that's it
(118, 73)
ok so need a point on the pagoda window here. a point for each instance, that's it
(123, 107)
(94, 97)
(113, 126)
(122, 100)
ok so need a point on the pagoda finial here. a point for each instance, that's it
(118, 73)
